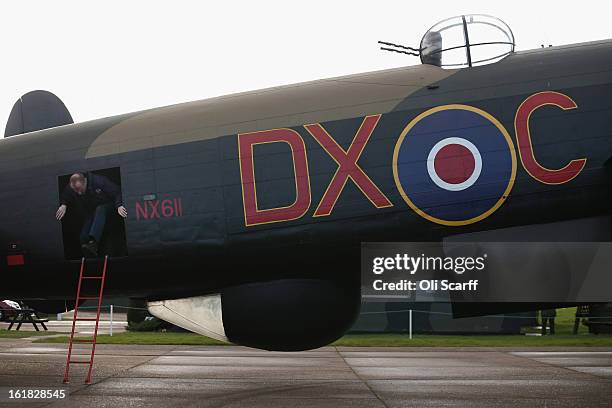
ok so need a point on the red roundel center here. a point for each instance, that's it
(454, 163)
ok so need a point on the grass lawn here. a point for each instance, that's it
(423, 340)
(368, 340)
(12, 334)
(146, 338)
(564, 325)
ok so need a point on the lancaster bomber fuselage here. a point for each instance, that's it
(285, 183)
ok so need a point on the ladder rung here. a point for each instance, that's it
(96, 319)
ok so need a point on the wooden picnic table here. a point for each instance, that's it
(27, 316)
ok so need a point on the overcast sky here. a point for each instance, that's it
(123, 56)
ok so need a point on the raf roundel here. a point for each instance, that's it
(454, 164)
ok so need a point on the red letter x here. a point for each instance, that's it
(347, 166)
(154, 208)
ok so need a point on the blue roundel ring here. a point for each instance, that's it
(454, 164)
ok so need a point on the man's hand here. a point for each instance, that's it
(122, 211)
(61, 211)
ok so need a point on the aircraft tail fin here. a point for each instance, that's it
(36, 110)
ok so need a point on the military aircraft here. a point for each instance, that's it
(247, 211)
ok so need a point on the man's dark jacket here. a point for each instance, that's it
(100, 190)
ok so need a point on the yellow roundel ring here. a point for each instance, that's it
(437, 201)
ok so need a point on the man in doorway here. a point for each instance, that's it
(95, 196)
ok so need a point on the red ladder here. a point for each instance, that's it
(92, 341)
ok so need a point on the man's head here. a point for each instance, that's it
(78, 183)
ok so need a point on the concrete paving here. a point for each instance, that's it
(208, 376)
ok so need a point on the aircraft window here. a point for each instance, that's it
(466, 41)
(113, 239)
